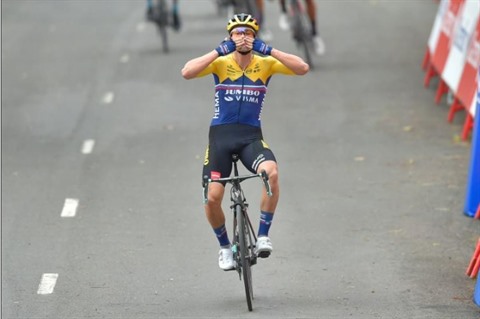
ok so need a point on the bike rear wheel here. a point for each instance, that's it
(306, 45)
(161, 18)
(245, 256)
(164, 37)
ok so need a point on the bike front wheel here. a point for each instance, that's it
(245, 256)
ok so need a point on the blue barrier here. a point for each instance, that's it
(472, 201)
(476, 293)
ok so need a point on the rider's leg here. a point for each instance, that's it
(214, 212)
(317, 40)
(176, 15)
(149, 9)
(216, 218)
(268, 203)
(258, 157)
(283, 20)
(312, 14)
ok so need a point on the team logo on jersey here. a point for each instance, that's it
(231, 70)
(242, 94)
(265, 145)
(206, 160)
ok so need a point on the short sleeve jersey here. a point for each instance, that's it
(239, 94)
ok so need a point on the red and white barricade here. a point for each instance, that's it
(440, 42)
(434, 35)
(453, 54)
(467, 84)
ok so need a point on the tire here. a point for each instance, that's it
(161, 17)
(245, 256)
(305, 43)
(164, 37)
(301, 33)
(306, 39)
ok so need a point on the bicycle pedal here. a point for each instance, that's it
(263, 254)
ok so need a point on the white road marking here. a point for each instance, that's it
(70, 207)
(47, 284)
(87, 147)
(108, 98)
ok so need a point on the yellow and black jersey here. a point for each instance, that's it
(239, 94)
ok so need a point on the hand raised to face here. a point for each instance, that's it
(243, 44)
(243, 38)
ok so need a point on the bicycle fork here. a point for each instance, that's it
(249, 234)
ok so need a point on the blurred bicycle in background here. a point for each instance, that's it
(254, 7)
(158, 12)
(301, 29)
(229, 7)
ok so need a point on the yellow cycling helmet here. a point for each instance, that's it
(242, 20)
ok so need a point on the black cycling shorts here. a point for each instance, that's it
(228, 139)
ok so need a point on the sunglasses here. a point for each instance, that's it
(242, 30)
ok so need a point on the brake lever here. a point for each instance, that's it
(205, 189)
(264, 177)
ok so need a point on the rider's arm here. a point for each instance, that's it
(193, 67)
(293, 62)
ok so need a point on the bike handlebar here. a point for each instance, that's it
(263, 175)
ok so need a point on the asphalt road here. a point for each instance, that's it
(370, 221)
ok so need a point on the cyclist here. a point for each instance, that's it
(265, 34)
(312, 14)
(241, 78)
(175, 14)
